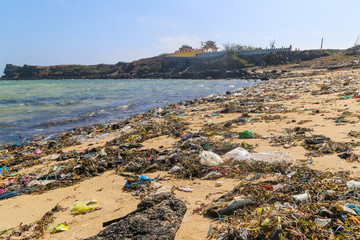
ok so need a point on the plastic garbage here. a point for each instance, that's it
(38, 151)
(60, 228)
(84, 206)
(234, 206)
(212, 175)
(302, 197)
(321, 222)
(103, 152)
(141, 180)
(185, 189)
(237, 154)
(271, 157)
(354, 208)
(39, 183)
(3, 169)
(241, 154)
(9, 195)
(175, 169)
(246, 134)
(209, 158)
(218, 184)
(353, 184)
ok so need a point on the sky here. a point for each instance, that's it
(53, 32)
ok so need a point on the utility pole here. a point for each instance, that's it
(322, 40)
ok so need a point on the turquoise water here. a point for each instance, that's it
(30, 108)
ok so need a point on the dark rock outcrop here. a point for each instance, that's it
(229, 65)
(156, 217)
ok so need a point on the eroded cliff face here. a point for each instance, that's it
(228, 66)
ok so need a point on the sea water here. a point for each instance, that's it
(31, 108)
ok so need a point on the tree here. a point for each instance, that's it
(238, 47)
(185, 48)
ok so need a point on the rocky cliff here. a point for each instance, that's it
(228, 66)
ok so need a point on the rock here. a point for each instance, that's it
(156, 217)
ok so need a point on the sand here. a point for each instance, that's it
(114, 202)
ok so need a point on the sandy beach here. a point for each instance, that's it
(324, 103)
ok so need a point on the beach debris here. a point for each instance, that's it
(302, 197)
(81, 207)
(258, 205)
(185, 189)
(134, 182)
(353, 184)
(237, 204)
(38, 151)
(209, 158)
(156, 217)
(33, 230)
(60, 228)
(212, 175)
(218, 183)
(288, 201)
(3, 169)
(240, 154)
(246, 134)
(237, 154)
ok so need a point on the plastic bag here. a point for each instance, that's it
(209, 159)
(241, 154)
(237, 154)
(85, 206)
(246, 134)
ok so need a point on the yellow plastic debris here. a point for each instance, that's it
(60, 228)
(262, 209)
(83, 207)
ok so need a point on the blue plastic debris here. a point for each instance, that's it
(353, 207)
(142, 180)
(3, 169)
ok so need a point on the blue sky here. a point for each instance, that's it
(50, 32)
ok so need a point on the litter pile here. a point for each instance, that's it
(33, 230)
(277, 199)
(287, 202)
(156, 217)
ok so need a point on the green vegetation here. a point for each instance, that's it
(246, 62)
(233, 47)
(185, 48)
(144, 68)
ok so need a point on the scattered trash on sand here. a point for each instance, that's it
(156, 217)
(278, 197)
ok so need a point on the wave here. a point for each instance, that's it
(68, 104)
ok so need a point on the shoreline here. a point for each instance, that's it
(108, 112)
(314, 103)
